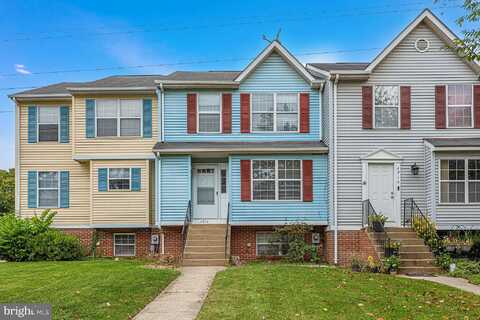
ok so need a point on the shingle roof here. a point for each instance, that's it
(340, 66)
(455, 142)
(57, 88)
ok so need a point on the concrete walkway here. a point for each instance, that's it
(458, 283)
(183, 298)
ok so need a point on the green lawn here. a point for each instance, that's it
(276, 291)
(101, 289)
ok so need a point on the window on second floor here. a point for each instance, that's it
(209, 113)
(119, 117)
(387, 105)
(276, 180)
(48, 119)
(459, 106)
(275, 112)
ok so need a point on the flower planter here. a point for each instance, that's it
(393, 272)
(378, 226)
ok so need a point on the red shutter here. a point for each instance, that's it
(227, 113)
(244, 112)
(440, 107)
(304, 113)
(307, 166)
(192, 113)
(405, 107)
(476, 105)
(367, 107)
(246, 191)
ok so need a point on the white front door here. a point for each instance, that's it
(210, 195)
(381, 191)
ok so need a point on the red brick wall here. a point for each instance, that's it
(172, 240)
(351, 243)
(243, 241)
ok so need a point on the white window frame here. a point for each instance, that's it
(375, 108)
(38, 124)
(274, 112)
(134, 244)
(453, 106)
(38, 190)
(277, 181)
(269, 243)
(129, 180)
(465, 181)
(219, 113)
(119, 118)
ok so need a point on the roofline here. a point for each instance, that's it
(111, 88)
(241, 149)
(346, 74)
(41, 96)
(434, 22)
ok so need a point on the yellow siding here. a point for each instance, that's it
(53, 156)
(152, 192)
(121, 207)
(114, 145)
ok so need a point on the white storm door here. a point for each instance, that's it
(205, 192)
(223, 194)
(381, 190)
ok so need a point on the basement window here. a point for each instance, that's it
(271, 244)
(124, 245)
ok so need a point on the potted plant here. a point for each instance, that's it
(377, 222)
(391, 264)
(357, 264)
(392, 248)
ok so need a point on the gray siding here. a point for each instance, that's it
(403, 66)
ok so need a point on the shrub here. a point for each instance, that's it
(391, 263)
(298, 249)
(444, 260)
(466, 267)
(475, 250)
(426, 229)
(34, 239)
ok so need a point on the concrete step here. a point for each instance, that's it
(207, 226)
(398, 229)
(205, 262)
(402, 235)
(416, 255)
(418, 270)
(410, 242)
(417, 262)
(206, 242)
(414, 248)
(193, 248)
(205, 236)
(203, 255)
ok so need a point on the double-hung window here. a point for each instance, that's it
(119, 179)
(387, 105)
(48, 189)
(275, 112)
(209, 113)
(460, 181)
(48, 119)
(124, 244)
(119, 117)
(271, 244)
(276, 180)
(459, 106)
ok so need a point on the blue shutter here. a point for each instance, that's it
(64, 189)
(147, 118)
(90, 118)
(64, 124)
(102, 179)
(32, 189)
(32, 124)
(136, 179)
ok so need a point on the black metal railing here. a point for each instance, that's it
(227, 231)
(413, 216)
(367, 212)
(186, 224)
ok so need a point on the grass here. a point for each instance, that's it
(467, 269)
(100, 289)
(279, 291)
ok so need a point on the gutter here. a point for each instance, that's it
(17, 158)
(335, 180)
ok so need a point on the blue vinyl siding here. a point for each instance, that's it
(274, 75)
(281, 211)
(174, 188)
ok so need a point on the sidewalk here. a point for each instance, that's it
(458, 283)
(183, 298)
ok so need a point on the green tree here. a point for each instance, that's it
(7, 191)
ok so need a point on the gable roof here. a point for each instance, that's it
(340, 66)
(431, 20)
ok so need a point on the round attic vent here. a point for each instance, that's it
(422, 45)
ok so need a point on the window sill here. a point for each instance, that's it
(446, 205)
(119, 138)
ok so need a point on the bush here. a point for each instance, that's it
(298, 249)
(33, 239)
(475, 250)
(465, 268)
(444, 260)
(426, 229)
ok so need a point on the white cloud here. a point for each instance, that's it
(20, 68)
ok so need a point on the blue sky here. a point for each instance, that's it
(45, 36)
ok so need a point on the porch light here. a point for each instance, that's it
(415, 169)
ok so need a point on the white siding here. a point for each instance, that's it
(403, 66)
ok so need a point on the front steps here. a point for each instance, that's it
(205, 245)
(415, 257)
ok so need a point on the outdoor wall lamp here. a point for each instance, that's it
(415, 169)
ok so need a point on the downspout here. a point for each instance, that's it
(17, 158)
(158, 161)
(334, 169)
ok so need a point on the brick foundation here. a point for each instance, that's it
(351, 243)
(243, 241)
(172, 241)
